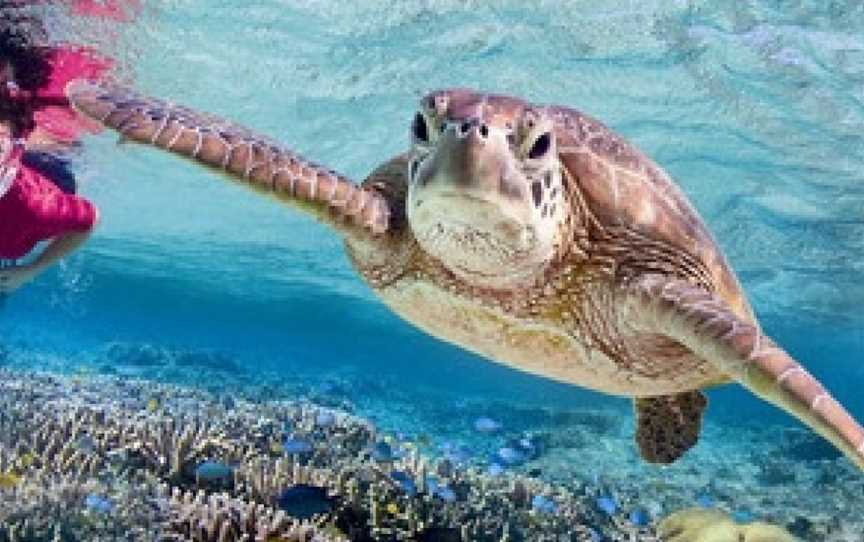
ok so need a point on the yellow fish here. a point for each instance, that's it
(27, 459)
(9, 480)
(152, 405)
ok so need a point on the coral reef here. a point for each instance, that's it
(52, 507)
(221, 518)
(87, 456)
(85, 453)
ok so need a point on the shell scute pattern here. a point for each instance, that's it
(573, 294)
(629, 198)
(580, 131)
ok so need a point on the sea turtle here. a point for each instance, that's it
(531, 235)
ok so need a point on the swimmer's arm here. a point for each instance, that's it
(58, 248)
(13, 278)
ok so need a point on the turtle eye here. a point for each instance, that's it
(540, 146)
(419, 128)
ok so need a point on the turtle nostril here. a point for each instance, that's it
(463, 129)
(484, 131)
(412, 174)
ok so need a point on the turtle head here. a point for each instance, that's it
(485, 195)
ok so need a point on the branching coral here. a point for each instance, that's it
(221, 518)
(120, 445)
(63, 437)
(54, 507)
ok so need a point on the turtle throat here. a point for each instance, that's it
(472, 206)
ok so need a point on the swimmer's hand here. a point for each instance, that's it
(12, 278)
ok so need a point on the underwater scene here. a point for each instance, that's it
(501, 336)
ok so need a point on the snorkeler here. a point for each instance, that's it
(37, 126)
(34, 209)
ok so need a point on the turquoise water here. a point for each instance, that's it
(755, 108)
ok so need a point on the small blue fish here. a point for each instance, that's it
(405, 482)
(213, 471)
(705, 501)
(304, 501)
(297, 446)
(743, 516)
(528, 445)
(446, 494)
(399, 475)
(431, 484)
(327, 388)
(640, 517)
(511, 457)
(325, 419)
(382, 452)
(456, 453)
(495, 469)
(98, 503)
(607, 505)
(487, 425)
(543, 504)
(85, 443)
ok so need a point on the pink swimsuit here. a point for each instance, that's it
(54, 115)
(33, 208)
(118, 10)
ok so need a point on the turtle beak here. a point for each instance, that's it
(471, 159)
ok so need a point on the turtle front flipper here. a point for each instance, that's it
(668, 425)
(244, 155)
(705, 324)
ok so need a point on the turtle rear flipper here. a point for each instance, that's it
(668, 425)
(242, 154)
(703, 323)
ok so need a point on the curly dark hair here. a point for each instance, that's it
(22, 36)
